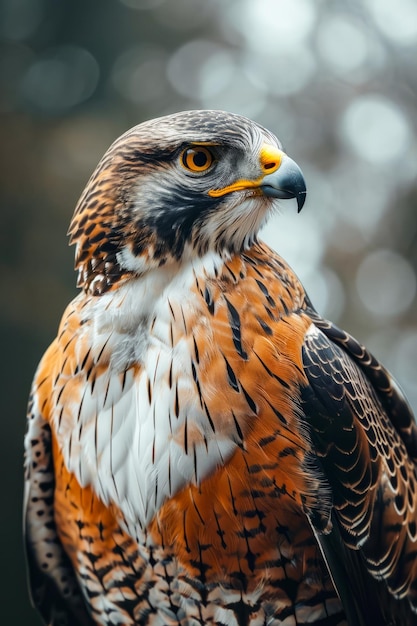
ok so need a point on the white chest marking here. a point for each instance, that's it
(130, 431)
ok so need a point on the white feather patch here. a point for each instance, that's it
(128, 432)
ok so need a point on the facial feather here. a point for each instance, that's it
(142, 209)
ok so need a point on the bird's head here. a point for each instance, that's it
(178, 186)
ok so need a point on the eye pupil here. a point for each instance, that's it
(200, 158)
(197, 159)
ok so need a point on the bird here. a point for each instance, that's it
(202, 446)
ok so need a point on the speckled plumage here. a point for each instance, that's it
(202, 447)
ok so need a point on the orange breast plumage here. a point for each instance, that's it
(202, 447)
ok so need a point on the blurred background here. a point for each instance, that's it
(335, 80)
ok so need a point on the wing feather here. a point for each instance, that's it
(54, 589)
(365, 437)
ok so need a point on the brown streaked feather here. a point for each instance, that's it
(203, 447)
(245, 526)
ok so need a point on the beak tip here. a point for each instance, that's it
(301, 198)
(286, 182)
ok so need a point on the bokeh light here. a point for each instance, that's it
(238, 95)
(284, 75)
(404, 362)
(397, 20)
(376, 129)
(200, 69)
(363, 197)
(20, 18)
(386, 283)
(184, 16)
(142, 5)
(348, 49)
(139, 74)
(272, 27)
(60, 79)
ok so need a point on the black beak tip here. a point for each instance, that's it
(301, 198)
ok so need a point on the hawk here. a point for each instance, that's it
(202, 446)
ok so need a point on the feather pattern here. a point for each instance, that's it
(202, 447)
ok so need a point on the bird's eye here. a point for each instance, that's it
(197, 159)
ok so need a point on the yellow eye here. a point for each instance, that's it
(197, 159)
